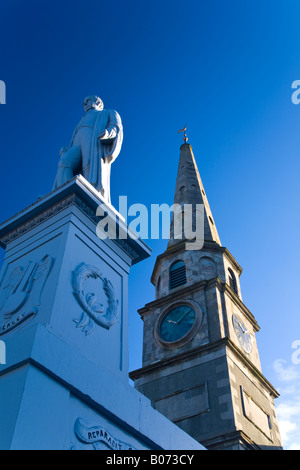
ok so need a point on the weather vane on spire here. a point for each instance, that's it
(184, 135)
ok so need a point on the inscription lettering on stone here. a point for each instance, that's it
(96, 434)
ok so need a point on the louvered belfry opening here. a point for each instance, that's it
(177, 274)
(232, 281)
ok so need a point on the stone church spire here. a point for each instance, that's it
(201, 366)
(189, 190)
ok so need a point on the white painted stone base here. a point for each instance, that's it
(63, 318)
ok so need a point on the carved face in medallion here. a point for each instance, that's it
(96, 296)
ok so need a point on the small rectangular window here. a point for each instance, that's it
(177, 275)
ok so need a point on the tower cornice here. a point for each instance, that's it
(180, 247)
(205, 284)
(207, 348)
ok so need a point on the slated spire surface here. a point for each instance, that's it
(189, 190)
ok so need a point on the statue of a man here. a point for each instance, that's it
(95, 144)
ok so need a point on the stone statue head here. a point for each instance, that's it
(92, 101)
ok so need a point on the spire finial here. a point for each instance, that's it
(185, 139)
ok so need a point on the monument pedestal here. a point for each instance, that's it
(63, 318)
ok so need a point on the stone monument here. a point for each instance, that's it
(64, 313)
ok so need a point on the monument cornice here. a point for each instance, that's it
(86, 198)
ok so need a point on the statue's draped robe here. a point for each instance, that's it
(101, 150)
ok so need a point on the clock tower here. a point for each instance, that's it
(201, 364)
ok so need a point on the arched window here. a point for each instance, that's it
(177, 274)
(232, 281)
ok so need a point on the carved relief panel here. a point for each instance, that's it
(96, 295)
(21, 292)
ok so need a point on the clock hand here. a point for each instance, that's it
(171, 321)
(242, 328)
(181, 318)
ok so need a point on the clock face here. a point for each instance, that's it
(177, 323)
(242, 334)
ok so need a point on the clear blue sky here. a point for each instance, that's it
(223, 68)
